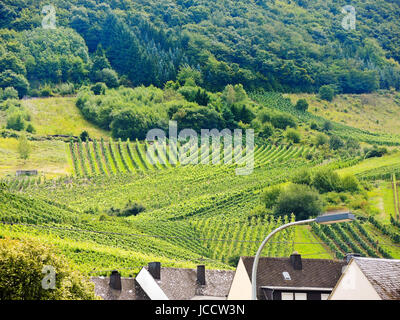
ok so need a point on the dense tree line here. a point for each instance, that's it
(289, 46)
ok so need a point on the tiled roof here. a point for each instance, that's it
(315, 273)
(383, 274)
(177, 284)
(181, 284)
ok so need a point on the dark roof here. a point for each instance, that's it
(315, 273)
(383, 274)
(177, 284)
(181, 284)
(103, 289)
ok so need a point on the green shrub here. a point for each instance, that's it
(293, 135)
(350, 183)
(66, 89)
(130, 209)
(301, 105)
(108, 76)
(10, 93)
(326, 180)
(10, 79)
(282, 121)
(327, 126)
(374, 152)
(301, 200)
(326, 93)
(84, 136)
(266, 130)
(46, 91)
(21, 276)
(30, 128)
(314, 126)
(320, 139)
(15, 121)
(99, 88)
(270, 196)
(335, 142)
(302, 176)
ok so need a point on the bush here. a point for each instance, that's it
(293, 135)
(99, 88)
(21, 276)
(24, 148)
(10, 93)
(301, 200)
(15, 121)
(266, 130)
(320, 139)
(335, 142)
(326, 93)
(326, 180)
(84, 136)
(314, 126)
(46, 91)
(270, 196)
(130, 209)
(17, 81)
(352, 143)
(301, 105)
(374, 152)
(350, 183)
(264, 116)
(302, 177)
(108, 76)
(327, 126)
(30, 128)
(233, 261)
(282, 121)
(66, 89)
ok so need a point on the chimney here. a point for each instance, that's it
(115, 280)
(349, 256)
(155, 270)
(295, 260)
(201, 275)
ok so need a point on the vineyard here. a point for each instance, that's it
(192, 213)
(114, 157)
(278, 102)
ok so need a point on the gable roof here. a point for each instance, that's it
(383, 274)
(315, 273)
(176, 283)
(181, 284)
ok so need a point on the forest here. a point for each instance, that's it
(287, 46)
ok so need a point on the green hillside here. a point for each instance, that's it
(80, 99)
(281, 45)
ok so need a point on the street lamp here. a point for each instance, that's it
(323, 219)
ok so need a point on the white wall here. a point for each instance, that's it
(353, 285)
(241, 284)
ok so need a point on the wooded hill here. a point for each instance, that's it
(290, 45)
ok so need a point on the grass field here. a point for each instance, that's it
(372, 164)
(373, 112)
(52, 116)
(48, 157)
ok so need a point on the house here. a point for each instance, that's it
(369, 279)
(26, 173)
(160, 283)
(292, 278)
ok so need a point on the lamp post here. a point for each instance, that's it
(323, 219)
